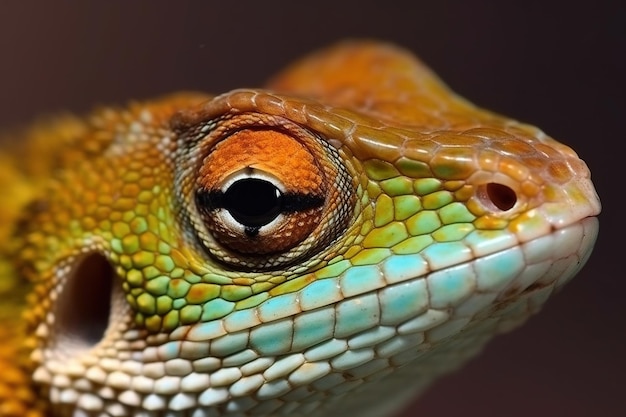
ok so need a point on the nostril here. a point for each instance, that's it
(498, 196)
(84, 305)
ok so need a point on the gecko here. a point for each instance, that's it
(327, 245)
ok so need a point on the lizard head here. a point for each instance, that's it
(270, 250)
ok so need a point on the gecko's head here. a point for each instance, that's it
(260, 251)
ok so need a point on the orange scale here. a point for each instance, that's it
(560, 171)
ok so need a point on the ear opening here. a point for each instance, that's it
(84, 305)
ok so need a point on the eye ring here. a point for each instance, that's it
(234, 194)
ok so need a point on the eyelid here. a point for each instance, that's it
(251, 172)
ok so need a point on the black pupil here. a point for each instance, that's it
(253, 202)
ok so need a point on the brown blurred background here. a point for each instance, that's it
(557, 64)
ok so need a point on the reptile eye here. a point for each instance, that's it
(268, 195)
(252, 214)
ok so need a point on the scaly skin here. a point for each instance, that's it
(354, 228)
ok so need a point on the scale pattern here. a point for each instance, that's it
(400, 228)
